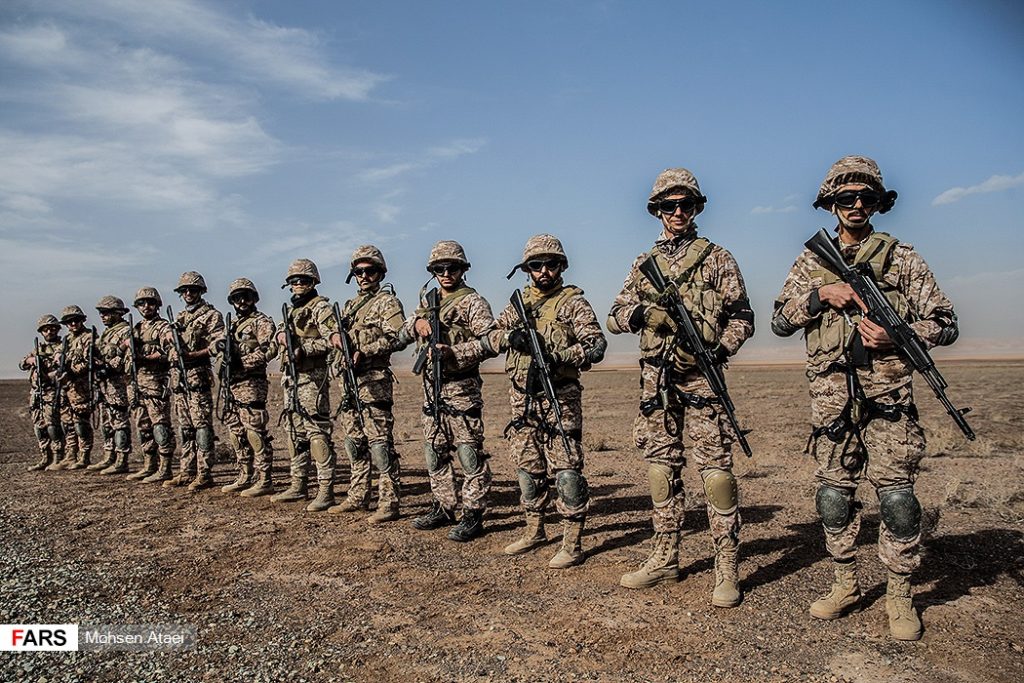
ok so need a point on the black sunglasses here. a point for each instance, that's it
(536, 265)
(365, 270)
(446, 269)
(669, 206)
(848, 200)
(301, 280)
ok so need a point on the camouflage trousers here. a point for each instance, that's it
(195, 420)
(243, 420)
(372, 441)
(114, 418)
(894, 452)
(537, 450)
(309, 422)
(76, 418)
(47, 426)
(153, 407)
(459, 424)
(659, 435)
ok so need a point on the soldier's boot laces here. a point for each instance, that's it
(150, 466)
(727, 583)
(119, 466)
(295, 491)
(349, 505)
(532, 537)
(571, 552)
(263, 486)
(108, 460)
(436, 518)
(44, 461)
(904, 622)
(162, 473)
(469, 527)
(662, 565)
(324, 499)
(203, 481)
(242, 481)
(843, 597)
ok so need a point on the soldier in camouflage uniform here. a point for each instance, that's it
(77, 399)
(573, 341)
(457, 424)
(44, 405)
(152, 407)
(373, 320)
(840, 341)
(710, 284)
(112, 373)
(252, 336)
(308, 402)
(198, 325)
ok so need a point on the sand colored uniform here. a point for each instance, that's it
(42, 406)
(152, 411)
(77, 404)
(113, 383)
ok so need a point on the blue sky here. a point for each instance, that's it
(141, 139)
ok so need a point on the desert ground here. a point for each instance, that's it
(279, 594)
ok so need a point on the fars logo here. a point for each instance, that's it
(39, 637)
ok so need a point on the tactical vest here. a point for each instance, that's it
(243, 332)
(452, 332)
(304, 320)
(826, 337)
(558, 335)
(364, 332)
(109, 344)
(699, 297)
(148, 333)
(46, 362)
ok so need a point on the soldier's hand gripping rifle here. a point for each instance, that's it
(541, 367)
(179, 351)
(433, 302)
(348, 377)
(132, 359)
(690, 339)
(291, 372)
(880, 311)
(226, 395)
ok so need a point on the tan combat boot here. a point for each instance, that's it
(571, 552)
(904, 622)
(82, 463)
(296, 491)
(179, 479)
(162, 473)
(727, 583)
(262, 486)
(119, 466)
(242, 481)
(108, 459)
(62, 463)
(844, 595)
(384, 514)
(149, 467)
(532, 537)
(348, 505)
(46, 457)
(201, 482)
(662, 565)
(324, 499)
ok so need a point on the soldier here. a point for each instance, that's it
(306, 331)
(198, 324)
(710, 284)
(111, 372)
(572, 342)
(152, 407)
(373, 319)
(457, 424)
(840, 342)
(44, 402)
(77, 384)
(252, 336)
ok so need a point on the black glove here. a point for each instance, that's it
(519, 340)
(219, 346)
(719, 354)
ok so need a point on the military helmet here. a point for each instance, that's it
(367, 252)
(190, 279)
(674, 179)
(111, 303)
(303, 266)
(853, 169)
(242, 284)
(147, 293)
(447, 251)
(71, 312)
(540, 245)
(47, 321)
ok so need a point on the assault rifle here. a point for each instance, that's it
(62, 369)
(291, 403)
(96, 398)
(880, 311)
(349, 381)
(433, 408)
(37, 380)
(541, 368)
(179, 350)
(227, 397)
(136, 392)
(690, 339)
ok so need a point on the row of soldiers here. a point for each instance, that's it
(686, 300)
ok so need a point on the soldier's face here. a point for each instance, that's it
(367, 274)
(545, 271)
(75, 326)
(243, 302)
(191, 295)
(300, 284)
(858, 216)
(681, 219)
(109, 317)
(147, 308)
(448, 274)
(50, 332)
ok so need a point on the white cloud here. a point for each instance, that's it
(996, 183)
(430, 157)
(787, 206)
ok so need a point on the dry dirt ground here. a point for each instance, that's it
(279, 594)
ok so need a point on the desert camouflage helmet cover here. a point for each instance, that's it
(853, 169)
(111, 303)
(674, 179)
(47, 321)
(242, 284)
(71, 312)
(147, 293)
(303, 266)
(367, 252)
(540, 245)
(190, 279)
(447, 250)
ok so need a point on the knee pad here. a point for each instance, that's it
(42, 434)
(572, 488)
(901, 513)
(352, 449)
(161, 434)
(469, 458)
(188, 435)
(255, 440)
(835, 507)
(380, 453)
(56, 432)
(532, 487)
(663, 483)
(204, 438)
(83, 429)
(122, 440)
(435, 462)
(721, 490)
(320, 450)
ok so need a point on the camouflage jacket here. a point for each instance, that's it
(153, 337)
(198, 326)
(465, 319)
(112, 352)
(77, 362)
(311, 324)
(254, 345)
(374, 321)
(47, 362)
